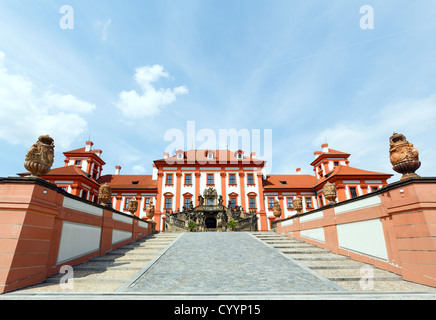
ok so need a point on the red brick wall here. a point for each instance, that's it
(31, 218)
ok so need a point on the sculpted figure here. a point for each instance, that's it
(200, 200)
(149, 212)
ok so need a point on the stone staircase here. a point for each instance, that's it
(342, 270)
(108, 272)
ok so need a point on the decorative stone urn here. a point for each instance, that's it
(40, 156)
(132, 206)
(330, 193)
(404, 157)
(298, 204)
(149, 212)
(105, 194)
(277, 211)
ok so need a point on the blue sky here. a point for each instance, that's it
(131, 71)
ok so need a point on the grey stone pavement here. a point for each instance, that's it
(225, 263)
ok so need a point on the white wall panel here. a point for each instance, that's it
(315, 234)
(120, 235)
(77, 240)
(359, 204)
(365, 237)
(81, 206)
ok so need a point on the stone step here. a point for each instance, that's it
(137, 250)
(119, 281)
(145, 248)
(130, 256)
(331, 267)
(358, 273)
(359, 278)
(98, 274)
(291, 246)
(314, 257)
(119, 259)
(303, 251)
(284, 242)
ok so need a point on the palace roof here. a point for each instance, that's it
(129, 181)
(219, 156)
(66, 171)
(350, 171)
(286, 181)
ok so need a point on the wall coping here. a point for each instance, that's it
(391, 186)
(48, 185)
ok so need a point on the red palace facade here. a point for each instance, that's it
(238, 178)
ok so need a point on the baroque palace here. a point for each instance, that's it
(219, 178)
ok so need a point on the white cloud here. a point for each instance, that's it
(150, 101)
(67, 103)
(139, 169)
(24, 114)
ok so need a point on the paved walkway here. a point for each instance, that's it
(225, 263)
(221, 266)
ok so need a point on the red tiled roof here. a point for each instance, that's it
(331, 154)
(201, 156)
(129, 181)
(283, 181)
(82, 152)
(350, 171)
(65, 171)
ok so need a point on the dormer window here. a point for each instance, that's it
(239, 154)
(210, 155)
(180, 154)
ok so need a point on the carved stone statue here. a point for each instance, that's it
(298, 204)
(132, 206)
(200, 200)
(40, 156)
(149, 212)
(105, 194)
(330, 192)
(404, 157)
(277, 210)
(210, 193)
(220, 200)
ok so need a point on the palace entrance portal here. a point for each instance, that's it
(210, 215)
(210, 223)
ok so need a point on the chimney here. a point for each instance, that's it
(89, 145)
(325, 148)
(252, 155)
(317, 154)
(299, 171)
(117, 170)
(166, 155)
